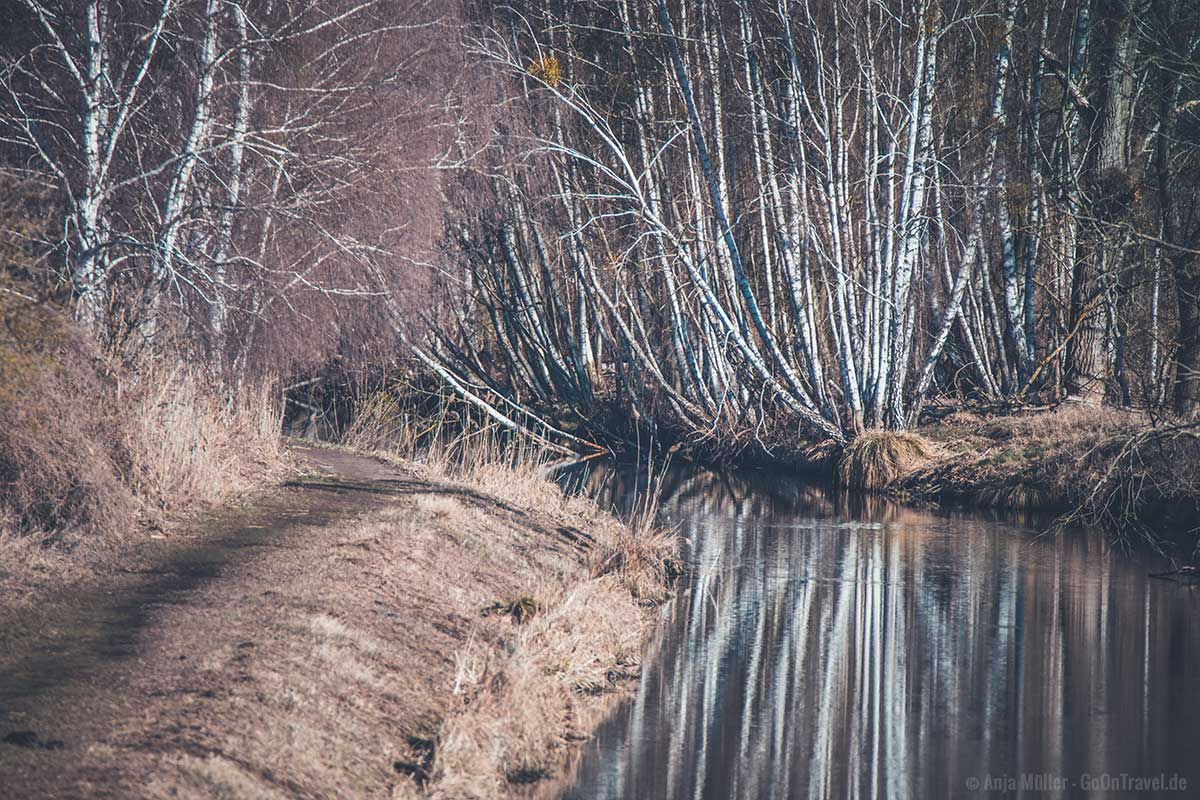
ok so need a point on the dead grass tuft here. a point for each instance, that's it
(646, 562)
(877, 458)
(524, 707)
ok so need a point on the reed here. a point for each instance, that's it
(875, 459)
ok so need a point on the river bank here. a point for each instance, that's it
(1118, 470)
(365, 630)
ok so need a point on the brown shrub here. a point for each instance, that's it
(61, 459)
(1143, 483)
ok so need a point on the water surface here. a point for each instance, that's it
(834, 647)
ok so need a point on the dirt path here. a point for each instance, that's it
(304, 643)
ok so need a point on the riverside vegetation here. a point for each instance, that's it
(945, 250)
(752, 231)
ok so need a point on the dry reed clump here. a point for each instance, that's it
(189, 443)
(518, 471)
(88, 448)
(381, 423)
(451, 442)
(447, 438)
(646, 562)
(877, 458)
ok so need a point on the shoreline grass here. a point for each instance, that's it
(1118, 471)
(576, 639)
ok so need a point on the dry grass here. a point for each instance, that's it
(517, 471)
(877, 458)
(61, 460)
(89, 450)
(577, 633)
(645, 561)
(1106, 467)
(188, 443)
(1033, 460)
(1070, 423)
(525, 703)
(381, 423)
(448, 437)
(523, 708)
(1024, 461)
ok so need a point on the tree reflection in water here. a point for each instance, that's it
(832, 645)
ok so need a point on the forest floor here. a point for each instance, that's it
(325, 639)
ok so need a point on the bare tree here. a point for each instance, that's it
(788, 211)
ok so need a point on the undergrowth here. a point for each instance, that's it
(90, 449)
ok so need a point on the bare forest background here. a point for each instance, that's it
(737, 224)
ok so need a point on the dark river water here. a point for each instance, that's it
(852, 647)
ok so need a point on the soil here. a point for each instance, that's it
(301, 646)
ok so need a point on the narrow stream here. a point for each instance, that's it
(853, 647)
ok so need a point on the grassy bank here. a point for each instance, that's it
(560, 632)
(97, 454)
(564, 628)
(1103, 467)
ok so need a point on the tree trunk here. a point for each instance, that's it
(1187, 359)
